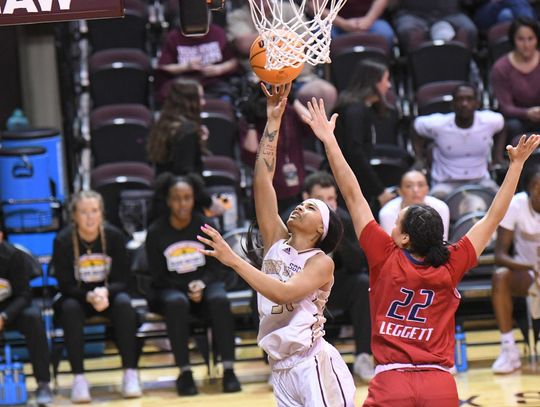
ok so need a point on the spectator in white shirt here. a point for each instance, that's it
(413, 190)
(463, 142)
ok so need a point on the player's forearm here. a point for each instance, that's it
(345, 178)
(265, 162)
(502, 199)
(273, 289)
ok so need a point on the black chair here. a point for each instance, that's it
(219, 117)
(439, 61)
(110, 180)
(347, 50)
(127, 32)
(221, 175)
(435, 97)
(120, 133)
(467, 199)
(119, 76)
(236, 239)
(498, 41)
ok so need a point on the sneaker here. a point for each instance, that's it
(508, 360)
(363, 367)
(131, 387)
(79, 391)
(185, 385)
(230, 382)
(43, 394)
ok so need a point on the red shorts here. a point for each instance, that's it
(412, 388)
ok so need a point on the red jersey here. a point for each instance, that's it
(413, 305)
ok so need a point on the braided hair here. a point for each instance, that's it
(425, 228)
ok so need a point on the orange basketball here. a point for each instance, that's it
(257, 59)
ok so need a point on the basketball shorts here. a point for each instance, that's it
(322, 379)
(412, 388)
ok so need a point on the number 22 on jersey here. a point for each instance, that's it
(397, 307)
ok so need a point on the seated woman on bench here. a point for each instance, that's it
(16, 311)
(91, 265)
(184, 281)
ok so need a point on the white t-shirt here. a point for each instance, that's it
(389, 213)
(460, 154)
(289, 329)
(525, 223)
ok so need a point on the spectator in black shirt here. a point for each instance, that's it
(17, 312)
(178, 138)
(90, 262)
(184, 281)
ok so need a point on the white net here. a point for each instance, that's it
(295, 32)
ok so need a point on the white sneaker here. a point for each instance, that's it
(131, 387)
(508, 360)
(363, 367)
(79, 391)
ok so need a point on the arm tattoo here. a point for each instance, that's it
(269, 165)
(267, 152)
(270, 135)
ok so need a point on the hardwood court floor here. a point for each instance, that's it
(477, 387)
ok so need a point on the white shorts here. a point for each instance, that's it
(319, 380)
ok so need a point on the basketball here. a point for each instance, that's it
(257, 59)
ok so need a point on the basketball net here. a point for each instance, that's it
(291, 40)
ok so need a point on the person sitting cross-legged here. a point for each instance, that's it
(519, 272)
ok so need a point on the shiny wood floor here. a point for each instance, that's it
(477, 387)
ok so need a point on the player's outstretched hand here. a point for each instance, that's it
(222, 251)
(276, 99)
(524, 149)
(317, 120)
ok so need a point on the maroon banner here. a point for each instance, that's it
(41, 11)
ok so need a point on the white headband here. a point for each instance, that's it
(325, 214)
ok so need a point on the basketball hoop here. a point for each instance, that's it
(307, 39)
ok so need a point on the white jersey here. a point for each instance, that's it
(525, 223)
(289, 329)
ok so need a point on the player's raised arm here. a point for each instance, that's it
(266, 208)
(348, 184)
(481, 232)
(317, 272)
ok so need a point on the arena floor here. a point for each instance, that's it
(477, 387)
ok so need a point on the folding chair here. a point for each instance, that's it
(468, 199)
(498, 41)
(119, 75)
(127, 32)
(119, 133)
(348, 50)
(435, 97)
(219, 116)
(112, 179)
(439, 61)
(221, 175)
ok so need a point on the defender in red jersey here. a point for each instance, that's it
(413, 280)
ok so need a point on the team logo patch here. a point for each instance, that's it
(94, 268)
(5, 289)
(183, 257)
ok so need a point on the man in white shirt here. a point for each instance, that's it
(463, 142)
(519, 272)
(413, 190)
